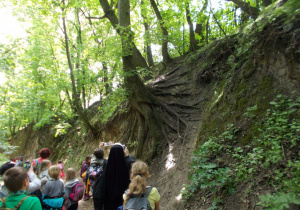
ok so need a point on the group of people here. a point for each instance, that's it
(40, 186)
(115, 181)
(112, 182)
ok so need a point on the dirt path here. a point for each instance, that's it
(86, 205)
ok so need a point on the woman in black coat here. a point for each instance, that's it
(116, 178)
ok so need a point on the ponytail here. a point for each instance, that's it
(139, 174)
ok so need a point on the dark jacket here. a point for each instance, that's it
(129, 160)
(116, 178)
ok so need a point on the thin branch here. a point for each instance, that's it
(98, 18)
(90, 18)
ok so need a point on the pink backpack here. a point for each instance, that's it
(77, 192)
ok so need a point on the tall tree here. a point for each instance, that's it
(193, 41)
(165, 53)
(139, 96)
(138, 59)
(74, 91)
(147, 34)
(202, 20)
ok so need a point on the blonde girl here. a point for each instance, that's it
(139, 174)
(54, 187)
(71, 181)
(43, 173)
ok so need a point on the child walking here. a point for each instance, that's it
(54, 187)
(139, 174)
(84, 169)
(71, 181)
(16, 181)
(53, 190)
(43, 173)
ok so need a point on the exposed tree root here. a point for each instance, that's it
(169, 79)
(171, 85)
(158, 92)
(172, 103)
(178, 117)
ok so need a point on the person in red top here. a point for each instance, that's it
(44, 154)
(61, 165)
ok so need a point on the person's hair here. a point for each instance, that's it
(45, 164)
(45, 153)
(54, 172)
(5, 167)
(87, 158)
(70, 174)
(59, 161)
(14, 178)
(99, 153)
(139, 173)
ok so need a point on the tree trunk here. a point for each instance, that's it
(200, 22)
(245, 6)
(235, 17)
(193, 41)
(207, 31)
(165, 53)
(139, 96)
(76, 99)
(138, 59)
(79, 67)
(105, 79)
(147, 37)
(72, 105)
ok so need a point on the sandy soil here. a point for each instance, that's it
(86, 205)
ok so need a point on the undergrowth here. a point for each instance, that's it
(273, 148)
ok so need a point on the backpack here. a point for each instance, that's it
(52, 203)
(16, 207)
(27, 165)
(139, 202)
(99, 186)
(77, 192)
(94, 172)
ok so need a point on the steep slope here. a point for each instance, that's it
(210, 97)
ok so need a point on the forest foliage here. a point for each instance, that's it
(39, 88)
(274, 140)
